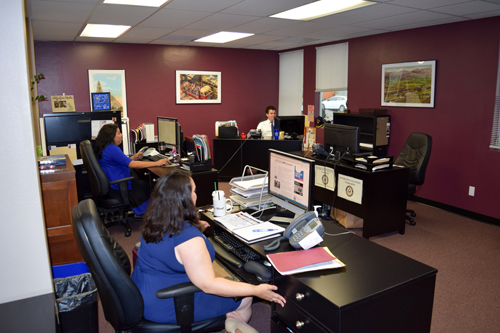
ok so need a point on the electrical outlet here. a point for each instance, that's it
(472, 191)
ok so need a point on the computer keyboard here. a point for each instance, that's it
(236, 247)
(157, 157)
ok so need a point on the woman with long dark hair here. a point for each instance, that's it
(116, 165)
(174, 250)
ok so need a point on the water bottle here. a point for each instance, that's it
(174, 154)
(276, 134)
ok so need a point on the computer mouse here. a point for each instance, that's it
(267, 263)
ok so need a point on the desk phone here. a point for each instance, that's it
(304, 226)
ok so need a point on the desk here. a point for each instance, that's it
(59, 196)
(383, 205)
(253, 152)
(379, 290)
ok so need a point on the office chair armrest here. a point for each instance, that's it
(121, 180)
(123, 185)
(177, 290)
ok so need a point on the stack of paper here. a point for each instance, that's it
(293, 262)
(250, 184)
(252, 202)
(248, 228)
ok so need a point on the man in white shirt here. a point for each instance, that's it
(270, 124)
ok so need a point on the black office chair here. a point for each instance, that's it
(121, 300)
(112, 210)
(415, 155)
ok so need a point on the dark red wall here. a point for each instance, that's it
(467, 57)
(249, 80)
(460, 124)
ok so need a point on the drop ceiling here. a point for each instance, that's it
(179, 22)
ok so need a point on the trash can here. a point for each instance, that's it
(76, 298)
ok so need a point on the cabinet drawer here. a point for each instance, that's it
(308, 301)
(297, 320)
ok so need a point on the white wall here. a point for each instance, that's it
(25, 271)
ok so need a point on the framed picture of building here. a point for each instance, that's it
(112, 82)
(409, 84)
(197, 87)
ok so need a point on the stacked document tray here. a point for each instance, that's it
(251, 191)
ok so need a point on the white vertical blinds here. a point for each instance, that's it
(291, 83)
(331, 67)
(495, 132)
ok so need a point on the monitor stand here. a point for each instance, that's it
(282, 216)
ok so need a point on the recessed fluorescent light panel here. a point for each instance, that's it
(223, 37)
(145, 3)
(321, 8)
(104, 30)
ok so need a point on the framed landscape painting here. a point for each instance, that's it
(197, 87)
(409, 84)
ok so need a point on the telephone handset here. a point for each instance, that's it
(306, 227)
(146, 151)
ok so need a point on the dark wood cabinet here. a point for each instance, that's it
(375, 130)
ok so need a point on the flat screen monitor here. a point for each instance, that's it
(291, 181)
(343, 138)
(169, 131)
(101, 101)
(293, 126)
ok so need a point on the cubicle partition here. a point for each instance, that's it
(231, 155)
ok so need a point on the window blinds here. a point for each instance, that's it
(331, 67)
(291, 83)
(495, 132)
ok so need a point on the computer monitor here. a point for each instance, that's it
(169, 131)
(291, 181)
(343, 138)
(293, 126)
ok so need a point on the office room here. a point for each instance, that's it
(460, 123)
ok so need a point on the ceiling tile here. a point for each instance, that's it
(173, 18)
(398, 20)
(212, 6)
(60, 11)
(221, 22)
(263, 25)
(122, 15)
(264, 7)
(468, 8)
(142, 32)
(56, 29)
(426, 4)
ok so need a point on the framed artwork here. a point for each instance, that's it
(197, 87)
(101, 101)
(109, 81)
(63, 103)
(409, 84)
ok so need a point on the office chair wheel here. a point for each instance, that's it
(413, 214)
(412, 222)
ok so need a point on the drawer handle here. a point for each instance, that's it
(299, 297)
(299, 324)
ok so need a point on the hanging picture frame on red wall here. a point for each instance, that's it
(409, 84)
(197, 87)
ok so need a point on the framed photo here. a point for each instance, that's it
(197, 87)
(101, 101)
(410, 84)
(63, 103)
(109, 81)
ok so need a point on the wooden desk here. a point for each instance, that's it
(379, 290)
(59, 196)
(383, 205)
(251, 152)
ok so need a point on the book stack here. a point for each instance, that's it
(251, 191)
(202, 147)
(50, 162)
(145, 131)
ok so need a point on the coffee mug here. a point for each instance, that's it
(220, 207)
